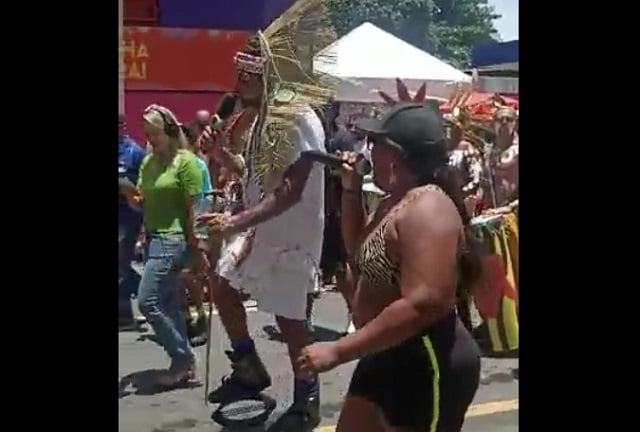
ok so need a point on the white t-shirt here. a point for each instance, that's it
(282, 267)
(300, 227)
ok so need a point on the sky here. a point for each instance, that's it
(507, 26)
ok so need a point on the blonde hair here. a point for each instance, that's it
(162, 117)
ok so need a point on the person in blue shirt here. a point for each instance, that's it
(130, 156)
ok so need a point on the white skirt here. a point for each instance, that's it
(278, 278)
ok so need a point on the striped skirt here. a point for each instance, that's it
(496, 294)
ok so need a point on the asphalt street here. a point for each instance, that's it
(495, 408)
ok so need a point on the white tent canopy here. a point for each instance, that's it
(369, 59)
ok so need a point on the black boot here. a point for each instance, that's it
(302, 416)
(248, 379)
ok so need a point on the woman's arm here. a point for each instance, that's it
(352, 220)
(189, 231)
(427, 238)
(191, 181)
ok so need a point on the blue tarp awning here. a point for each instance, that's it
(494, 53)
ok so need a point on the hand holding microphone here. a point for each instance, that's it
(210, 138)
(225, 108)
(350, 175)
(353, 166)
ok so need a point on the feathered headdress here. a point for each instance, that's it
(284, 60)
(505, 111)
(474, 122)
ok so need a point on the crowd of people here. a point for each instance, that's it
(219, 223)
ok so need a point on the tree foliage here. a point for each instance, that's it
(445, 28)
(458, 25)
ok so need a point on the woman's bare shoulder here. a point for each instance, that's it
(429, 208)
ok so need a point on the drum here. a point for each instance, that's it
(496, 294)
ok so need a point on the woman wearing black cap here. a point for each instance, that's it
(419, 367)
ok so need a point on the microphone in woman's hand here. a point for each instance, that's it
(362, 166)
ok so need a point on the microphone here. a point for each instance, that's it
(362, 166)
(226, 105)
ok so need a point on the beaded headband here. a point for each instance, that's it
(249, 64)
(506, 112)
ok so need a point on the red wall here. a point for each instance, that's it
(183, 69)
(180, 59)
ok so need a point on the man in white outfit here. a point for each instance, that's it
(272, 252)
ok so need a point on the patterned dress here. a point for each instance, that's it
(467, 162)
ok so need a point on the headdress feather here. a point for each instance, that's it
(290, 85)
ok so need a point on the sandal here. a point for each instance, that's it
(180, 372)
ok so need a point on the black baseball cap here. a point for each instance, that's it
(413, 128)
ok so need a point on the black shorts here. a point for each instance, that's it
(422, 384)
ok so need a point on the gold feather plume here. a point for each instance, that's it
(289, 44)
(474, 127)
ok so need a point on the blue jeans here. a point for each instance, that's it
(128, 279)
(160, 294)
